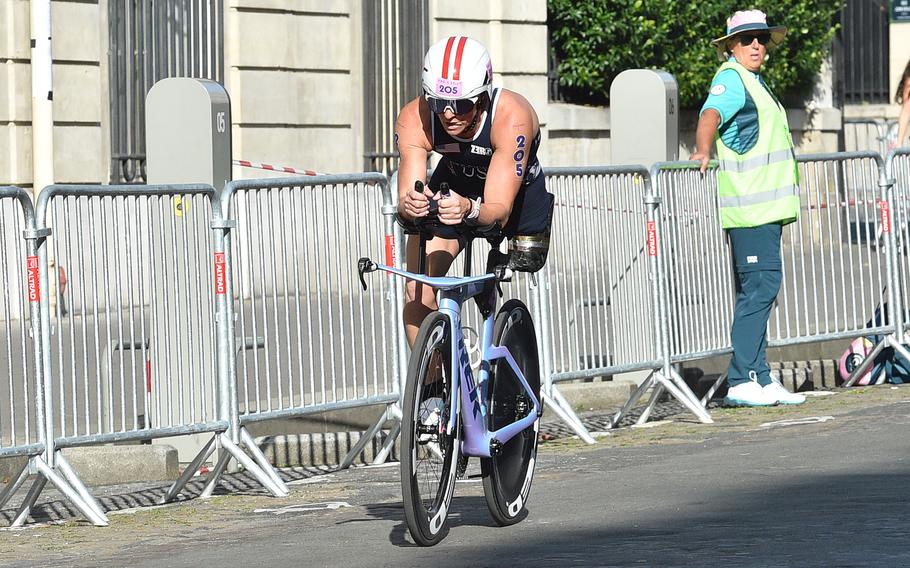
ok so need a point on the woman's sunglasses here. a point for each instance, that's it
(746, 39)
(458, 106)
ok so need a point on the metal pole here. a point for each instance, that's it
(227, 385)
(42, 97)
(895, 296)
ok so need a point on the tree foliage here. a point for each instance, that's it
(592, 41)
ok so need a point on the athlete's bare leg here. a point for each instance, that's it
(420, 300)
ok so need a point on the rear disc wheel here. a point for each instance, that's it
(507, 476)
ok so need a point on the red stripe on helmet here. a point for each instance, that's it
(445, 58)
(458, 55)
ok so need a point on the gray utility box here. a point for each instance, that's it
(188, 132)
(644, 117)
(644, 129)
(188, 140)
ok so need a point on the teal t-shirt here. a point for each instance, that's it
(738, 114)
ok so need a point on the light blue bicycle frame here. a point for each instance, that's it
(469, 394)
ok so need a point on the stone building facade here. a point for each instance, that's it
(295, 73)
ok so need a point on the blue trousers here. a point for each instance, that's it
(757, 262)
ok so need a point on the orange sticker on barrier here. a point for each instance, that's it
(34, 283)
(652, 238)
(220, 283)
(886, 216)
(390, 250)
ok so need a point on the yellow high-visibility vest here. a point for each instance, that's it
(762, 185)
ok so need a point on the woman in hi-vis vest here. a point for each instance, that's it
(758, 193)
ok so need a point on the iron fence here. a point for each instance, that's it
(395, 37)
(151, 40)
(864, 37)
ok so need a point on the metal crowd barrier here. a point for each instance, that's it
(698, 266)
(20, 427)
(836, 265)
(866, 134)
(836, 259)
(897, 168)
(27, 429)
(128, 351)
(309, 339)
(187, 312)
(133, 356)
(603, 312)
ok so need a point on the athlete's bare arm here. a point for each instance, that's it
(514, 128)
(412, 135)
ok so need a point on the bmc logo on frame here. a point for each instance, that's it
(220, 284)
(448, 87)
(34, 284)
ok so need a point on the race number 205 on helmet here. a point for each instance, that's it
(457, 68)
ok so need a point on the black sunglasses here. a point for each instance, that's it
(746, 39)
(458, 106)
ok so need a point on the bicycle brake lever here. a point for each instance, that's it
(365, 265)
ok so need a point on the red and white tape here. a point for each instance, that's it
(270, 167)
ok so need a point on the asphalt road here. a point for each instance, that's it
(743, 492)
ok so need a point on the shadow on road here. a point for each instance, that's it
(465, 511)
(823, 520)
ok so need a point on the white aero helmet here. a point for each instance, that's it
(457, 67)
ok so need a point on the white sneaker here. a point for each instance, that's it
(783, 396)
(749, 394)
(429, 415)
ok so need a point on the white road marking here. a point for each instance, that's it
(378, 465)
(306, 507)
(310, 480)
(797, 421)
(652, 424)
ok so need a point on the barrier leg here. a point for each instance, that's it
(211, 480)
(67, 470)
(260, 458)
(97, 517)
(188, 473)
(710, 394)
(30, 498)
(383, 454)
(645, 384)
(686, 399)
(655, 396)
(900, 348)
(251, 467)
(579, 427)
(867, 362)
(364, 440)
(570, 419)
(683, 387)
(14, 485)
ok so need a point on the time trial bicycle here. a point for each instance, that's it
(448, 413)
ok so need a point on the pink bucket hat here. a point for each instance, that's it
(750, 21)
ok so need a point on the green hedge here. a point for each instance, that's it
(594, 40)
